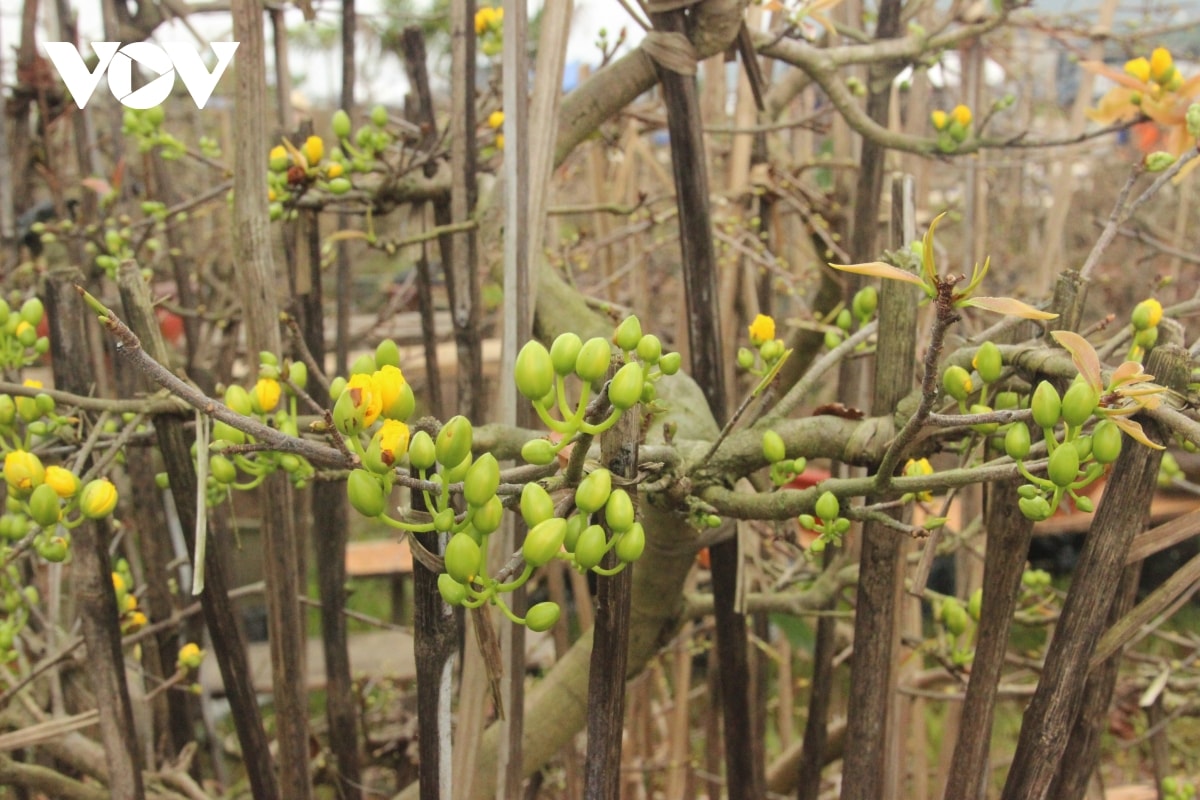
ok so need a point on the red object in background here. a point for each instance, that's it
(171, 325)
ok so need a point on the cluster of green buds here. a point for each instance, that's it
(16, 599)
(783, 469)
(131, 617)
(952, 128)
(233, 461)
(145, 126)
(46, 502)
(293, 170)
(862, 309)
(1144, 324)
(541, 377)
(116, 241)
(363, 146)
(20, 344)
(1036, 600)
(768, 352)
(1076, 459)
(958, 623)
(958, 383)
(1177, 788)
(827, 521)
(489, 28)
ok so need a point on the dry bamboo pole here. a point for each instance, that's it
(257, 284)
(679, 726)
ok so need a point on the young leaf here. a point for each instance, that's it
(928, 268)
(1083, 355)
(1008, 306)
(878, 269)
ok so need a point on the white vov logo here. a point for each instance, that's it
(118, 62)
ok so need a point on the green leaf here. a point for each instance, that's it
(1008, 306)
(928, 268)
(1083, 355)
(878, 269)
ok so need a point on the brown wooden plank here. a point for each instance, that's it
(381, 557)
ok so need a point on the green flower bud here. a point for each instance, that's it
(538, 451)
(365, 493)
(536, 504)
(221, 469)
(463, 557)
(454, 441)
(593, 491)
(98, 499)
(988, 362)
(618, 511)
(8, 410)
(534, 371)
(594, 356)
(340, 124)
(983, 427)
(543, 541)
(487, 517)
(379, 116)
(1063, 466)
(649, 349)
(53, 549)
(238, 400)
(422, 453)
(1078, 404)
(453, 592)
(866, 300)
(1035, 508)
(628, 334)
(669, 363)
(1046, 405)
(632, 544)
(482, 480)
(45, 506)
(1147, 338)
(1158, 161)
(625, 389)
(564, 351)
(827, 507)
(32, 311)
(773, 447)
(1084, 504)
(542, 617)
(1106, 441)
(591, 547)
(844, 319)
(745, 357)
(975, 604)
(387, 353)
(954, 616)
(576, 524)
(957, 382)
(1017, 441)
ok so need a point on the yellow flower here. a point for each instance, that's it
(1146, 314)
(314, 150)
(940, 119)
(388, 383)
(23, 471)
(499, 141)
(190, 656)
(1139, 68)
(392, 438)
(762, 330)
(364, 394)
(495, 119)
(118, 583)
(265, 395)
(962, 115)
(130, 603)
(334, 170)
(1162, 66)
(278, 159)
(916, 468)
(64, 482)
(485, 18)
(98, 499)
(30, 382)
(137, 620)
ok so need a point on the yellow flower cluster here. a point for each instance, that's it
(762, 330)
(488, 19)
(371, 395)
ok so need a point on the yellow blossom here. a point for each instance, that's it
(1162, 66)
(962, 115)
(365, 397)
(30, 382)
(278, 159)
(916, 468)
(762, 330)
(190, 656)
(940, 119)
(136, 621)
(64, 482)
(392, 439)
(314, 150)
(98, 499)
(1147, 314)
(264, 397)
(129, 603)
(485, 18)
(499, 141)
(495, 119)
(334, 170)
(1139, 68)
(23, 471)
(118, 583)
(389, 384)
